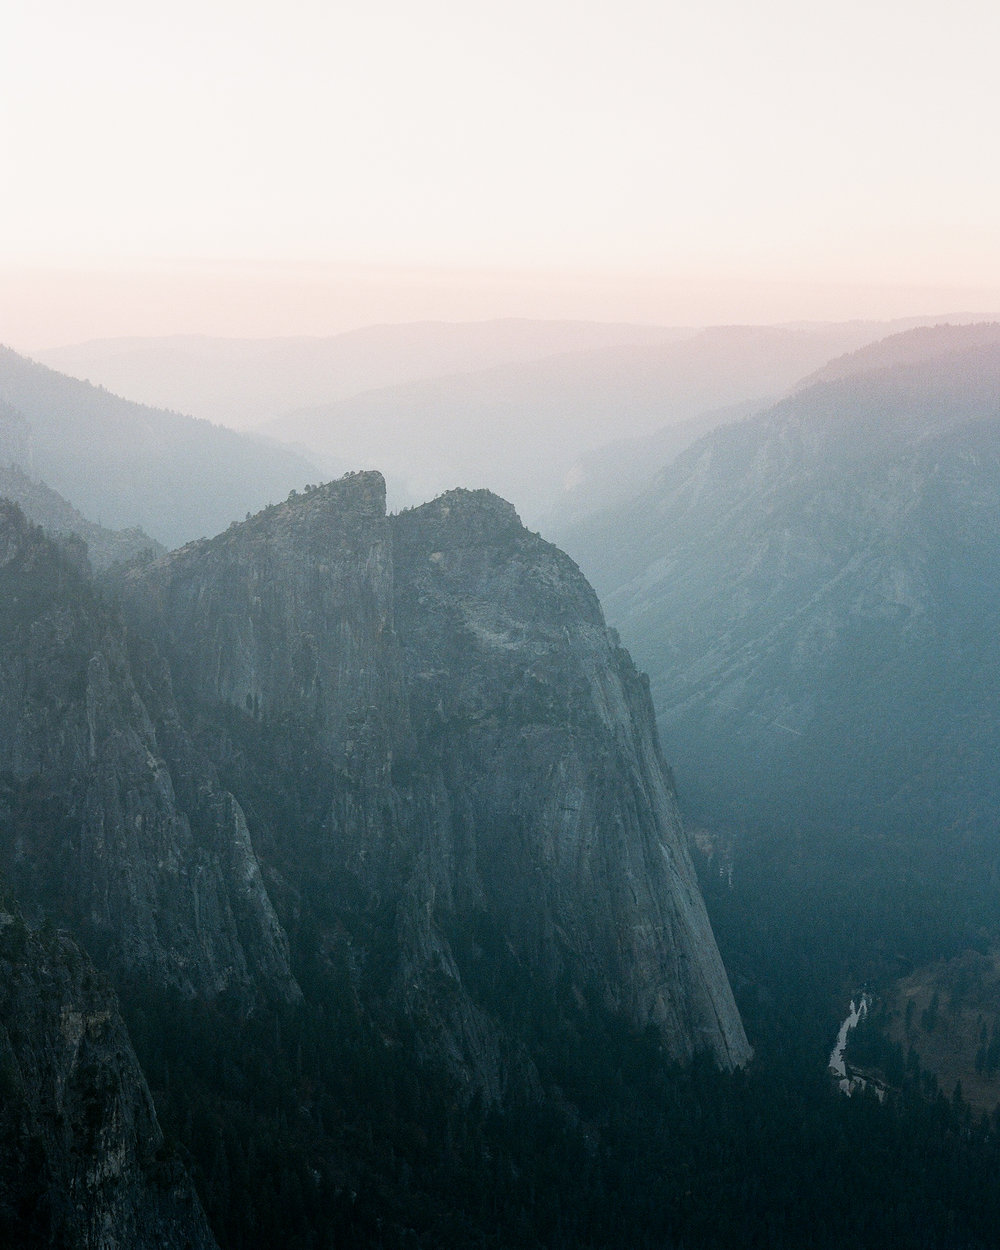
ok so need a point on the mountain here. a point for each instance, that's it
(402, 760)
(916, 346)
(125, 465)
(385, 787)
(614, 473)
(244, 382)
(814, 593)
(520, 429)
(84, 1161)
(482, 771)
(111, 821)
(59, 518)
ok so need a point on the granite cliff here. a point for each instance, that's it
(468, 759)
(397, 761)
(110, 820)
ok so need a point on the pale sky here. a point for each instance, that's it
(558, 146)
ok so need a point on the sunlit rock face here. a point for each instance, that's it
(481, 754)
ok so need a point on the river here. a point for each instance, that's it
(848, 1082)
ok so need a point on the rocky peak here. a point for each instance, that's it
(486, 747)
(289, 613)
(306, 513)
(482, 509)
(565, 827)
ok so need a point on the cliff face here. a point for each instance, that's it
(109, 818)
(564, 826)
(84, 1164)
(289, 614)
(479, 750)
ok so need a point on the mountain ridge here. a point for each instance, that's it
(125, 464)
(783, 572)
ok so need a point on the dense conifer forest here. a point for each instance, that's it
(311, 1126)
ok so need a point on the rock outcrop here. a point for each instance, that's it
(563, 822)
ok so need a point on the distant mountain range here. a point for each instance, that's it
(517, 406)
(521, 429)
(815, 593)
(245, 382)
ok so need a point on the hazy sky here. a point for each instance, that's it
(549, 146)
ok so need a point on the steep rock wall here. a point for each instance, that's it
(479, 745)
(564, 824)
(145, 855)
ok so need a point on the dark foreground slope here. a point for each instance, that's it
(84, 1165)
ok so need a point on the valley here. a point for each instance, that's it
(419, 936)
(499, 617)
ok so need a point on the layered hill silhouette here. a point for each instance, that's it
(123, 464)
(244, 382)
(47, 508)
(519, 407)
(521, 429)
